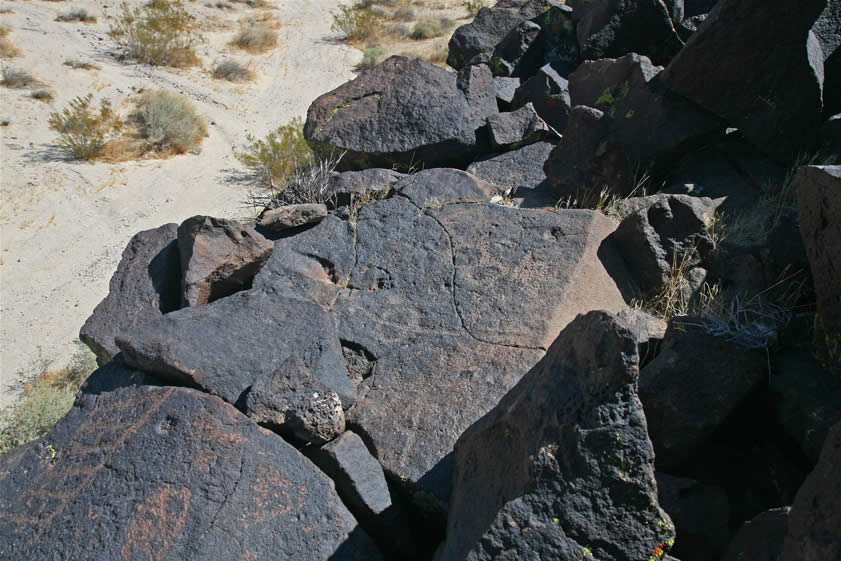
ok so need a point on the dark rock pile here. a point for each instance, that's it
(452, 370)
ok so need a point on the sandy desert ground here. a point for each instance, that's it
(63, 223)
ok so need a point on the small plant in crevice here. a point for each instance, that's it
(159, 33)
(83, 131)
(675, 297)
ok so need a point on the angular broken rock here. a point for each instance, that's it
(760, 538)
(169, 473)
(517, 128)
(815, 515)
(145, 285)
(292, 216)
(521, 171)
(638, 125)
(548, 92)
(613, 29)
(819, 201)
(775, 99)
(375, 182)
(453, 302)
(562, 467)
(670, 232)
(218, 257)
(296, 404)
(403, 112)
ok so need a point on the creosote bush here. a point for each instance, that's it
(168, 121)
(357, 24)
(45, 397)
(255, 38)
(158, 33)
(81, 15)
(272, 160)
(427, 28)
(232, 71)
(82, 130)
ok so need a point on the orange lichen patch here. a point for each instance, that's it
(158, 523)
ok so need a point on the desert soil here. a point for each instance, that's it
(63, 223)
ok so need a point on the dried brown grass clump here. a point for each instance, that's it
(81, 64)
(16, 78)
(42, 94)
(233, 71)
(7, 49)
(255, 38)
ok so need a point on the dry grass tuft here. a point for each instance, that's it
(168, 122)
(7, 50)
(81, 15)
(17, 78)
(81, 64)
(429, 28)
(233, 71)
(255, 38)
(43, 94)
(370, 58)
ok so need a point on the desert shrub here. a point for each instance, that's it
(308, 182)
(168, 121)
(7, 50)
(399, 30)
(82, 131)
(473, 6)
(356, 23)
(255, 38)
(232, 71)
(77, 15)
(437, 54)
(81, 64)
(42, 95)
(17, 78)
(158, 33)
(404, 13)
(45, 397)
(427, 28)
(371, 57)
(272, 160)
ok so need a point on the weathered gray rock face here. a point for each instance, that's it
(296, 405)
(376, 182)
(224, 347)
(517, 128)
(816, 512)
(819, 201)
(634, 124)
(520, 170)
(292, 216)
(671, 231)
(489, 27)
(168, 473)
(613, 29)
(699, 513)
(562, 467)
(146, 285)
(432, 188)
(775, 99)
(689, 389)
(218, 257)
(403, 112)
(548, 92)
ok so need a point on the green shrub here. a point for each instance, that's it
(427, 28)
(232, 71)
(158, 33)
(473, 6)
(83, 132)
(371, 57)
(356, 23)
(169, 121)
(271, 161)
(46, 396)
(255, 38)
(77, 15)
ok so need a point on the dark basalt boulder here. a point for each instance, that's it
(292, 216)
(521, 172)
(297, 405)
(631, 122)
(548, 92)
(819, 202)
(616, 28)
(374, 182)
(699, 513)
(517, 128)
(218, 257)
(774, 99)
(228, 345)
(690, 388)
(815, 515)
(489, 27)
(145, 285)
(760, 538)
(669, 232)
(403, 112)
(452, 302)
(434, 187)
(169, 473)
(562, 467)
(505, 87)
